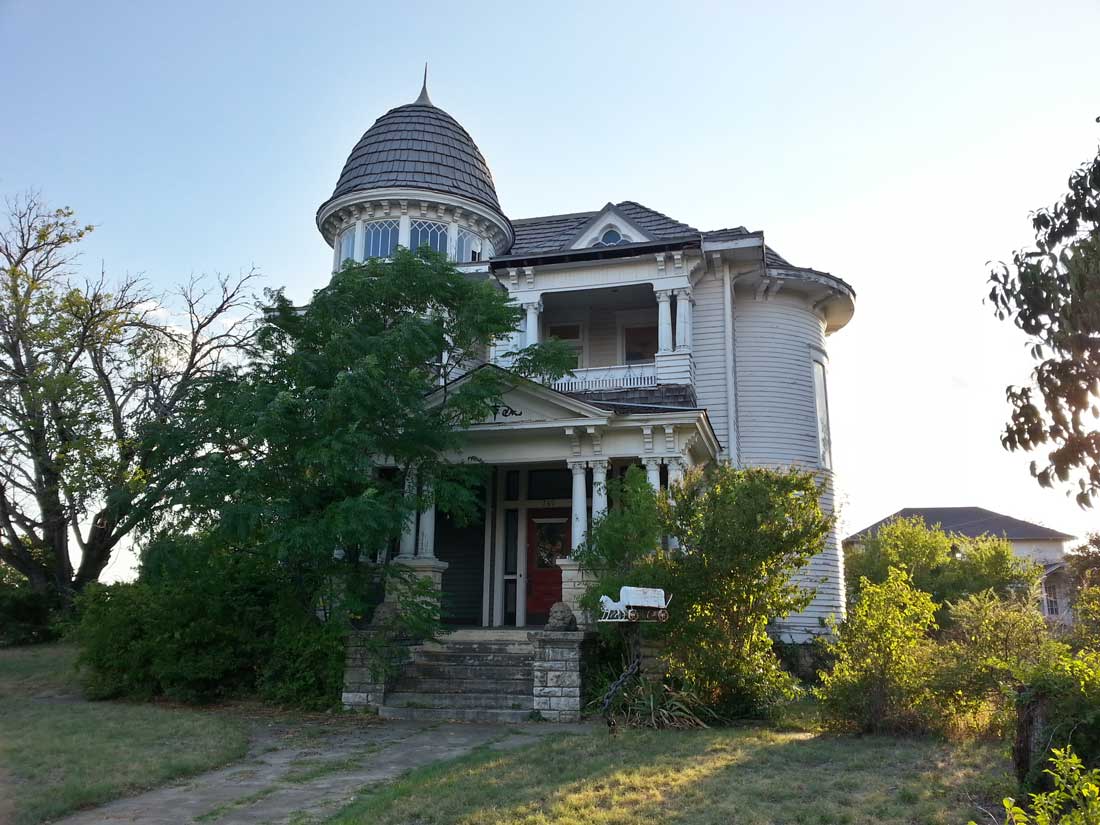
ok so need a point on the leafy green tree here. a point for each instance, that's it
(303, 439)
(88, 370)
(739, 536)
(880, 681)
(1052, 293)
(947, 566)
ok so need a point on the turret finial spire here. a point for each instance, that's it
(424, 100)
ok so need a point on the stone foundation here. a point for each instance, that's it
(558, 671)
(361, 690)
(574, 584)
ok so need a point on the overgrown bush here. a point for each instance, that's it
(738, 536)
(880, 681)
(1074, 800)
(947, 566)
(990, 645)
(26, 617)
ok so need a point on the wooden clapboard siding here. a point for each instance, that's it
(709, 349)
(776, 340)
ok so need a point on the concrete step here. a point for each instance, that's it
(520, 687)
(472, 658)
(497, 701)
(488, 634)
(426, 670)
(454, 714)
(446, 646)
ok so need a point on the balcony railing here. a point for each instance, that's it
(620, 377)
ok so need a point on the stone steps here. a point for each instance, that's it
(455, 714)
(455, 701)
(512, 687)
(496, 672)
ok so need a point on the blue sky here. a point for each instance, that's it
(900, 147)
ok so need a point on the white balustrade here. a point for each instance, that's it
(622, 376)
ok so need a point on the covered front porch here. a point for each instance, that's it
(549, 458)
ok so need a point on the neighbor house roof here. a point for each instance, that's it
(969, 521)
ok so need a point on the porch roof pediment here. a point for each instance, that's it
(527, 404)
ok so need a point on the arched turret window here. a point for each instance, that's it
(468, 246)
(346, 246)
(428, 233)
(382, 238)
(612, 237)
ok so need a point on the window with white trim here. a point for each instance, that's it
(428, 233)
(382, 238)
(821, 400)
(467, 246)
(612, 237)
(1050, 597)
(346, 245)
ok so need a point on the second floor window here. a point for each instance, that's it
(428, 233)
(382, 238)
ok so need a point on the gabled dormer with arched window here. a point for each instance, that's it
(609, 227)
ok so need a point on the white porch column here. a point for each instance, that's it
(664, 320)
(653, 472)
(360, 238)
(675, 471)
(683, 320)
(533, 310)
(580, 504)
(599, 488)
(426, 547)
(408, 535)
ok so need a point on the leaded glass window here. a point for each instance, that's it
(347, 245)
(428, 233)
(612, 237)
(382, 238)
(467, 246)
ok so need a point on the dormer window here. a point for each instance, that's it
(612, 237)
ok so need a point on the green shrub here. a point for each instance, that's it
(306, 664)
(947, 566)
(991, 643)
(1074, 800)
(26, 617)
(1067, 687)
(739, 535)
(881, 679)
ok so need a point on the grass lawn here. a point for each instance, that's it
(59, 753)
(747, 776)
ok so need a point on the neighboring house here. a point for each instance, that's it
(692, 347)
(1030, 541)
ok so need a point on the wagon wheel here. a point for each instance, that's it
(662, 615)
(632, 615)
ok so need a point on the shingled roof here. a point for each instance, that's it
(556, 233)
(418, 146)
(971, 522)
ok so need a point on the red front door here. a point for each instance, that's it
(548, 539)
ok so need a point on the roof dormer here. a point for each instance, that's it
(609, 227)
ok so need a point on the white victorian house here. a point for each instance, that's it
(692, 347)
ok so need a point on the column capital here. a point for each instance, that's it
(685, 292)
(663, 295)
(535, 306)
(577, 465)
(599, 465)
(653, 463)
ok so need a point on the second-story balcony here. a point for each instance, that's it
(617, 377)
(625, 337)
